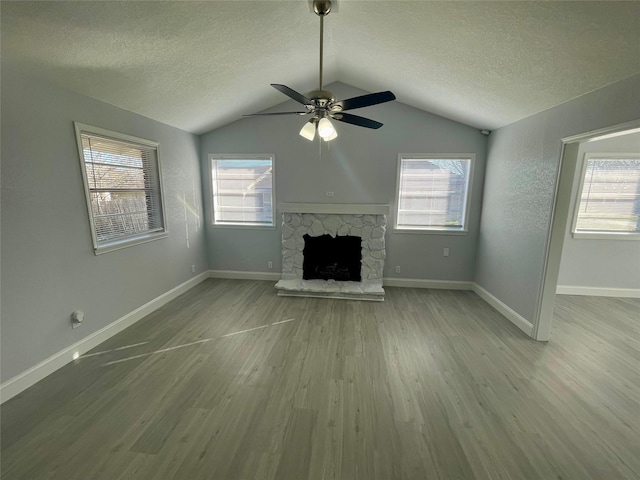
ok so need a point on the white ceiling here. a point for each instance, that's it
(201, 65)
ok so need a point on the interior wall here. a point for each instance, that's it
(595, 263)
(48, 265)
(359, 167)
(520, 181)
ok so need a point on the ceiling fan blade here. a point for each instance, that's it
(364, 100)
(277, 113)
(356, 120)
(289, 92)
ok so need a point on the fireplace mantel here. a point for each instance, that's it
(335, 208)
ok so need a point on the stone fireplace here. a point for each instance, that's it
(306, 225)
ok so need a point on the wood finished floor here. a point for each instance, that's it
(430, 384)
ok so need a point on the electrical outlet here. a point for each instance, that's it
(193, 269)
(397, 268)
(445, 252)
(270, 264)
(329, 194)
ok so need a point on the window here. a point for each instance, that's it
(608, 201)
(123, 188)
(242, 188)
(433, 192)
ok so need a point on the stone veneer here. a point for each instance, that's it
(370, 228)
(365, 221)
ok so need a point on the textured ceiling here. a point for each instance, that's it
(200, 65)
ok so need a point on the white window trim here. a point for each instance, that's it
(119, 243)
(597, 235)
(238, 156)
(435, 230)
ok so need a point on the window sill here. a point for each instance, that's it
(605, 236)
(430, 231)
(129, 242)
(245, 226)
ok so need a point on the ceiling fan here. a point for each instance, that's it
(322, 104)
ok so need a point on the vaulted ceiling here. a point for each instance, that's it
(201, 65)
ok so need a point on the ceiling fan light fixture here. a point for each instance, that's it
(308, 130)
(331, 137)
(326, 129)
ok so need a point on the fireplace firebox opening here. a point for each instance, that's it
(332, 258)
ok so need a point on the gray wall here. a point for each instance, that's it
(359, 167)
(48, 265)
(522, 164)
(603, 263)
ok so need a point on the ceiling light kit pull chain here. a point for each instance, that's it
(322, 104)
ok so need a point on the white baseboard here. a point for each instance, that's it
(598, 292)
(419, 283)
(387, 282)
(240, 275)
(514, 317)
(24, 380)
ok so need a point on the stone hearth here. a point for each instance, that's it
(365, 221)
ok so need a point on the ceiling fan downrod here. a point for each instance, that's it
(322, 9)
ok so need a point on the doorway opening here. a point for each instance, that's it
(568, 183)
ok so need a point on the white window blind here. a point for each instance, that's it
(610, 196)
(242, 189)
(123, 186)
(432, 193)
